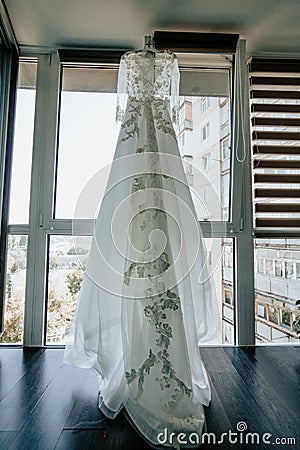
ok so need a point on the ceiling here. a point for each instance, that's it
(268, 25)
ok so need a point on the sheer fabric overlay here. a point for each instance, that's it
(146, 300)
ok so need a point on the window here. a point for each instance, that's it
(228, 297)
(81, 152)
(188, 164)
(188, 168)
(289, 269)
(205, 132)
(87, 132)
(23, 139)
(205, 103)
(15, 290)
(67, 260)
(228, 306)
(298, 271)
(275, 142)
(18, 217)
(261, 265)
(270, 267)
(224, 113)
(280, 294)
(185, 114)
(278, 268)
(275, 103)
(225, 149)
(201, 86)
(225, 188)
(286, 318)
(207, 162)
(261, 311)
(182, 141)
(273, 314)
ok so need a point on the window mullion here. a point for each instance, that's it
(41, 197)
(242, 217)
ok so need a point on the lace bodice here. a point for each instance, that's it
(143, 75)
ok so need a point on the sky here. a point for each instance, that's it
(87, 139)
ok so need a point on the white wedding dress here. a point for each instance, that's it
(146, 300)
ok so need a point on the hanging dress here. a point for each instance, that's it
(146, 299)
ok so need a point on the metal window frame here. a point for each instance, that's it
(41, 196)
(8, 82)
(42, 224)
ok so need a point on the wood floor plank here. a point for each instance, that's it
(273, 390)
(216, 359)
(54, 406)
(85, 413)
(14, 363)
(117, 436)
(287, 359)
(6, 438)
(43, 426)
(19, 402)
(217, 420)
(82, 440)
(239, 403)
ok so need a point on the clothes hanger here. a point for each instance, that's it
(149, 47)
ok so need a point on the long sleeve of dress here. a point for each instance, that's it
(174, 99)
(121, 90)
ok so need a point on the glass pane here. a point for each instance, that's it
(277, 288)
(227, 293)
(88, 132)
(88, 135)
(220, 259)
(22, 148)
(15, 290)
(67, 260)
(204, 133)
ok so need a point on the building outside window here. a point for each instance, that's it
(270, 267)
(205, 132)
(278, 268)
(261, 265)
(225, 148)
(289, 269)
(206, 162)
(224, 112)
(261, 311)
(205, 103)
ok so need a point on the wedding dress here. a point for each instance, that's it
(146, 298)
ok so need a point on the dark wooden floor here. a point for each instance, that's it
(45, 404)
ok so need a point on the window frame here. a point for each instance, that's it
(42, 224)
(205, 103)
(205, 132)
(9, 52)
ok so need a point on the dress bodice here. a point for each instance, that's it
(144, 75)
(149, 74)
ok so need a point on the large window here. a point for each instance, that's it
(77, 143)
(19, 205)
